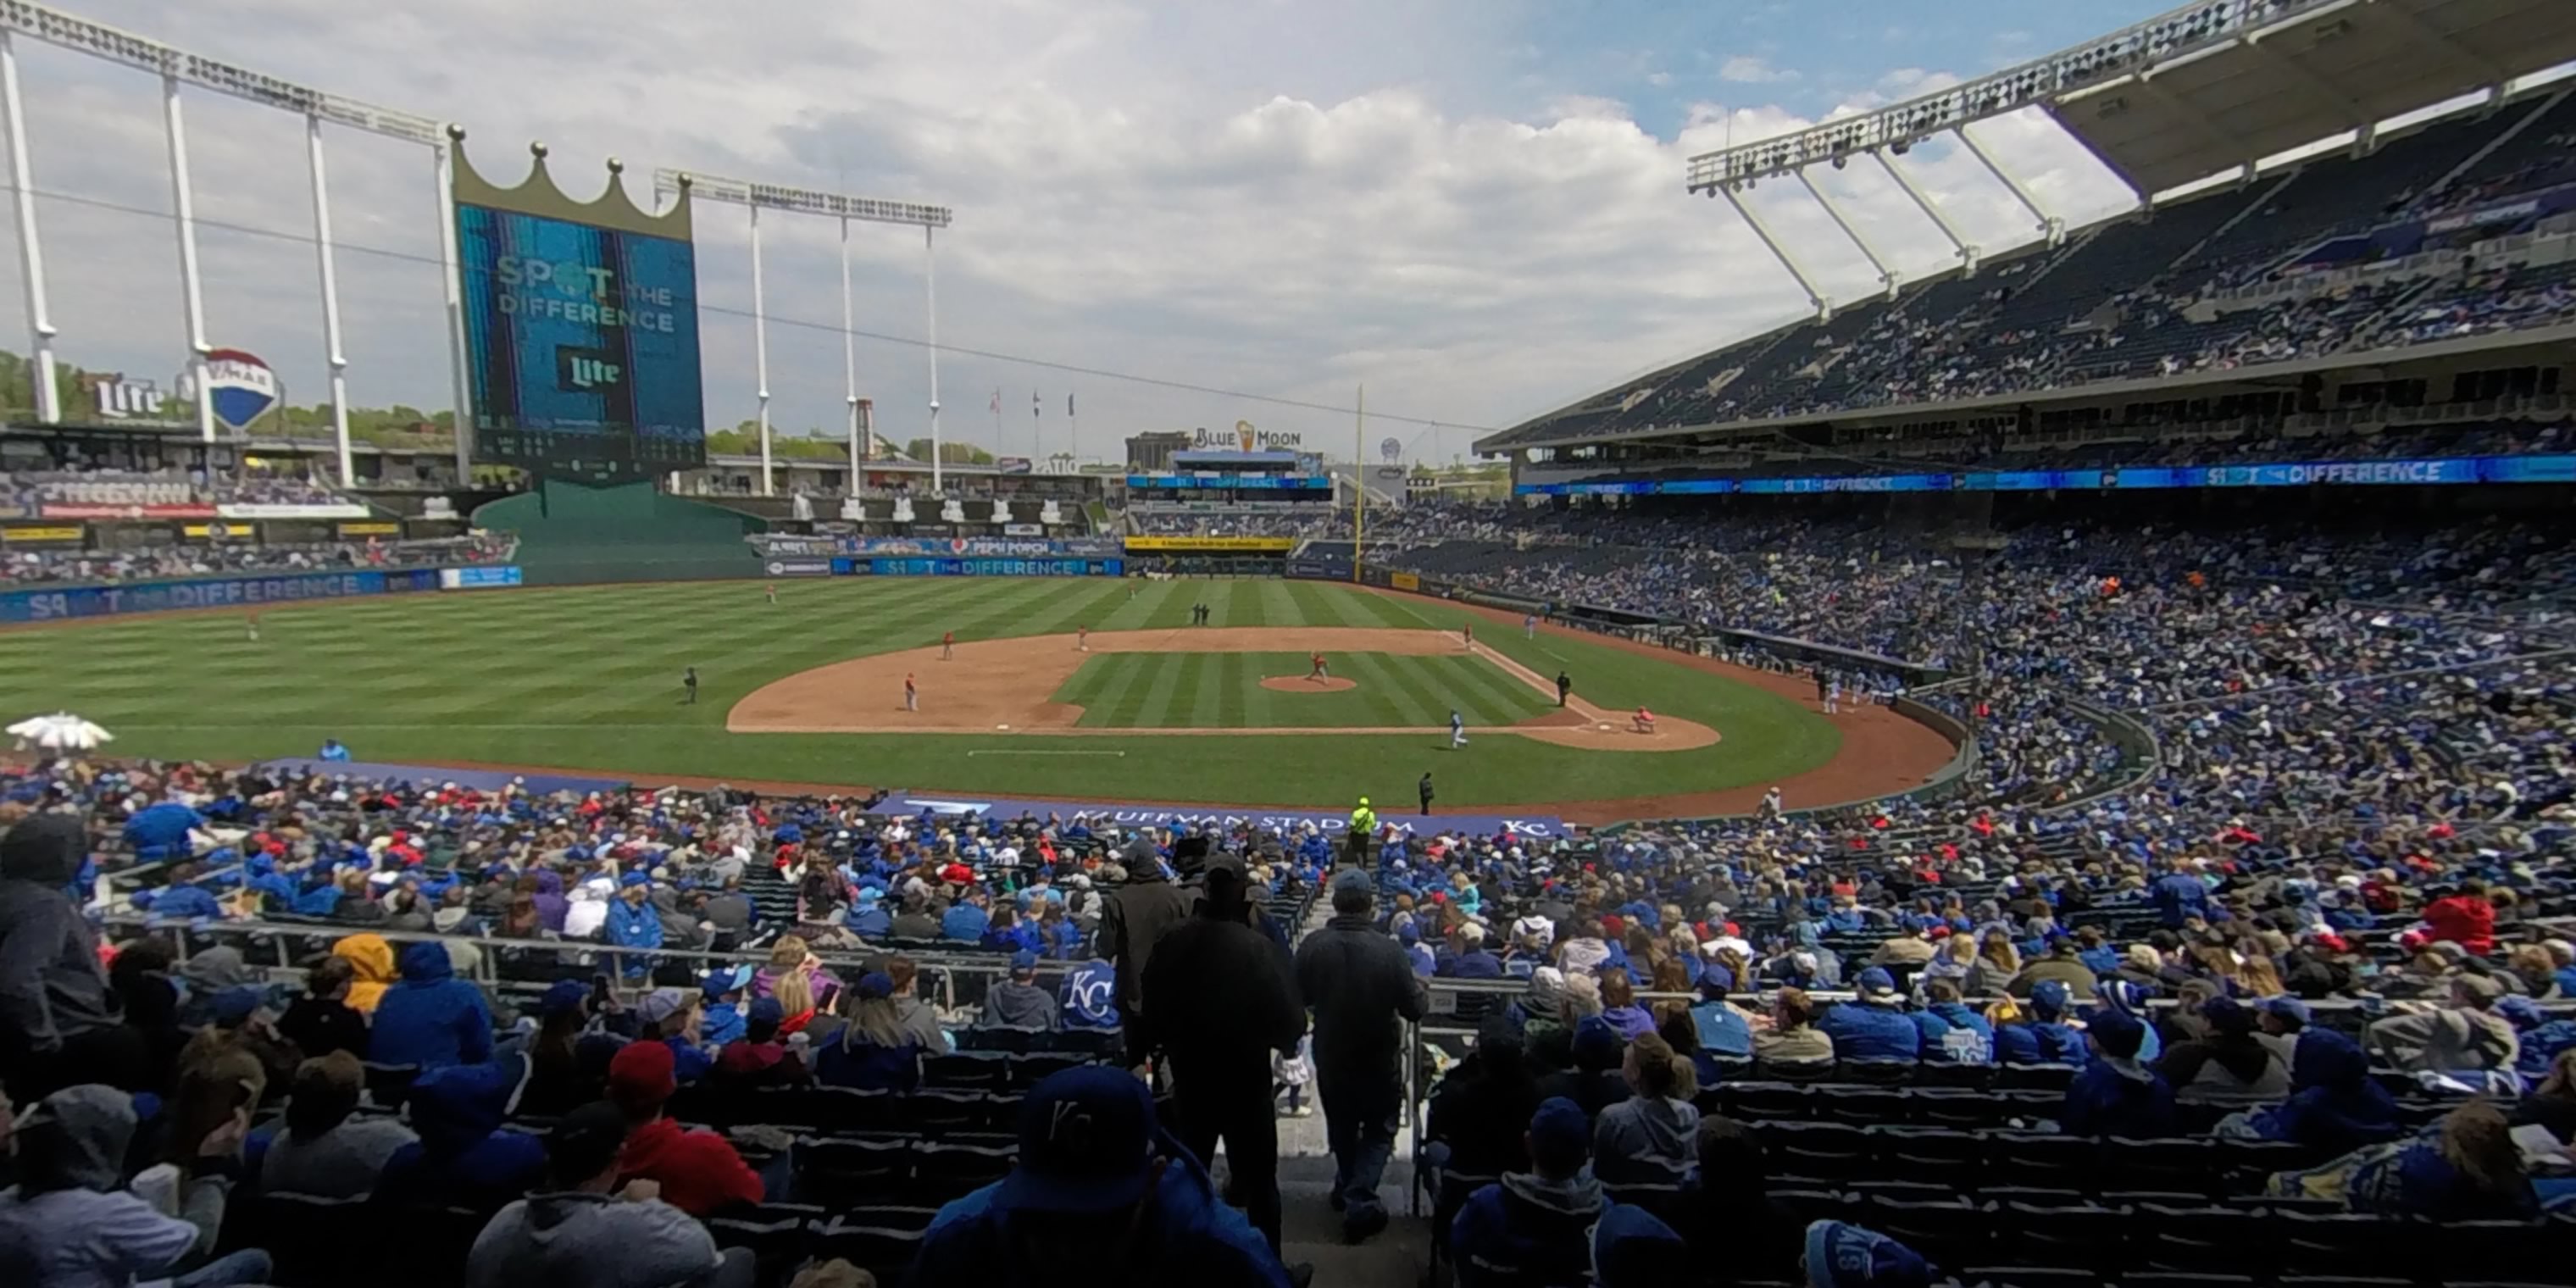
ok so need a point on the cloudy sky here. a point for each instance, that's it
(1473, 206)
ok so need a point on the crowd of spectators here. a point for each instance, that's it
(1300, 522)
(40, 565)
(31, 490)
(2330, 907)
(2118, 301)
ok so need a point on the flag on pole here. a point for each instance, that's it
(997, 400)
(1068, 404)
(1034, 404)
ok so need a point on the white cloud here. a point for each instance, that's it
(1745, 69)
(1288, 200)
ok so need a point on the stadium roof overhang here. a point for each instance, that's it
(2548, 344)
(2209, 87)
(2340, 67)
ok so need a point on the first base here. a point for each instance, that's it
(1001, 726)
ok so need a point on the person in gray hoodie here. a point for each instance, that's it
(326, 1149)
(70, 1222)
(580, 1234)
(1017, 1002)
(60, 1022)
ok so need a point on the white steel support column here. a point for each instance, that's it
(849, 358)
(930, 328)
(443, 171)
(192, 292)
(1824, 307)
(338, 361)
(31, 251)
(1923, 202)
(760, 354)
(2051, 225)
(1886, 276)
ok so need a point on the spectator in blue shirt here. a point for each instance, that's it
(2042, 1036)
(868, 917)
(2115, 1095)
(966, 920)
(1875, 1027)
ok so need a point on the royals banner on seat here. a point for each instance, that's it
(1217, 816)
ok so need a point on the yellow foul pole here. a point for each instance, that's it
(1359, 479)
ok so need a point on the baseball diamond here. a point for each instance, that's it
(810, 690)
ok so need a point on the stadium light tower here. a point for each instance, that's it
(178, 68)
(806, 201)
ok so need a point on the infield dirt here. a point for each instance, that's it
(1005, 686)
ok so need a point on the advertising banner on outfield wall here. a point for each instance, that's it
(212, 592)
(1210, 545)
(982, 567)
(60, 510)
(798, 567)
(954, 547)
(481, 577)
(910, 804)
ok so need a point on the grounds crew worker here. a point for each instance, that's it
(1363, 830)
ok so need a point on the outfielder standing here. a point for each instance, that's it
(1529, 626)
(1457, 730)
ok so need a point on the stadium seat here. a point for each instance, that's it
(2183, 1166)
(965, 1072)
(841, 1171)
(313, 1242)
(882, 1252)
(944, 1171)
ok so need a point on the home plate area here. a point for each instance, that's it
(1200, 681)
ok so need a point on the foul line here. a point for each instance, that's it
(1037, 751)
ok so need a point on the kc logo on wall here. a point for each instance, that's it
(242, 387)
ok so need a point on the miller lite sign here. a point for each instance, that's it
(123, 399)
(239, 386)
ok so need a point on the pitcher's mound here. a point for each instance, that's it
(1300, 684)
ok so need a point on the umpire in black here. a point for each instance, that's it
(1218, 1000)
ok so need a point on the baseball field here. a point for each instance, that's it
(1080, 689)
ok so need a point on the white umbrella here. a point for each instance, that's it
(61, 731)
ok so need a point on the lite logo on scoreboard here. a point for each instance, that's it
(586, 369)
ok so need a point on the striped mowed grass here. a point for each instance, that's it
(1223, 691)
(589, 678)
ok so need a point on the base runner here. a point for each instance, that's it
(911, 693)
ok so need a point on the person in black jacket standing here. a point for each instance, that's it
(1426, 792)
(1218, 1001)
(1132, 922)
(1362, 989)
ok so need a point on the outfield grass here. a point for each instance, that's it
(1223, 691)
(588, 678)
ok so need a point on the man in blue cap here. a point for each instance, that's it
(1540, 1226)
(868, 917)
(1098, 1197)
(1018, 1002)
(1874, 1027)
(634, 923)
